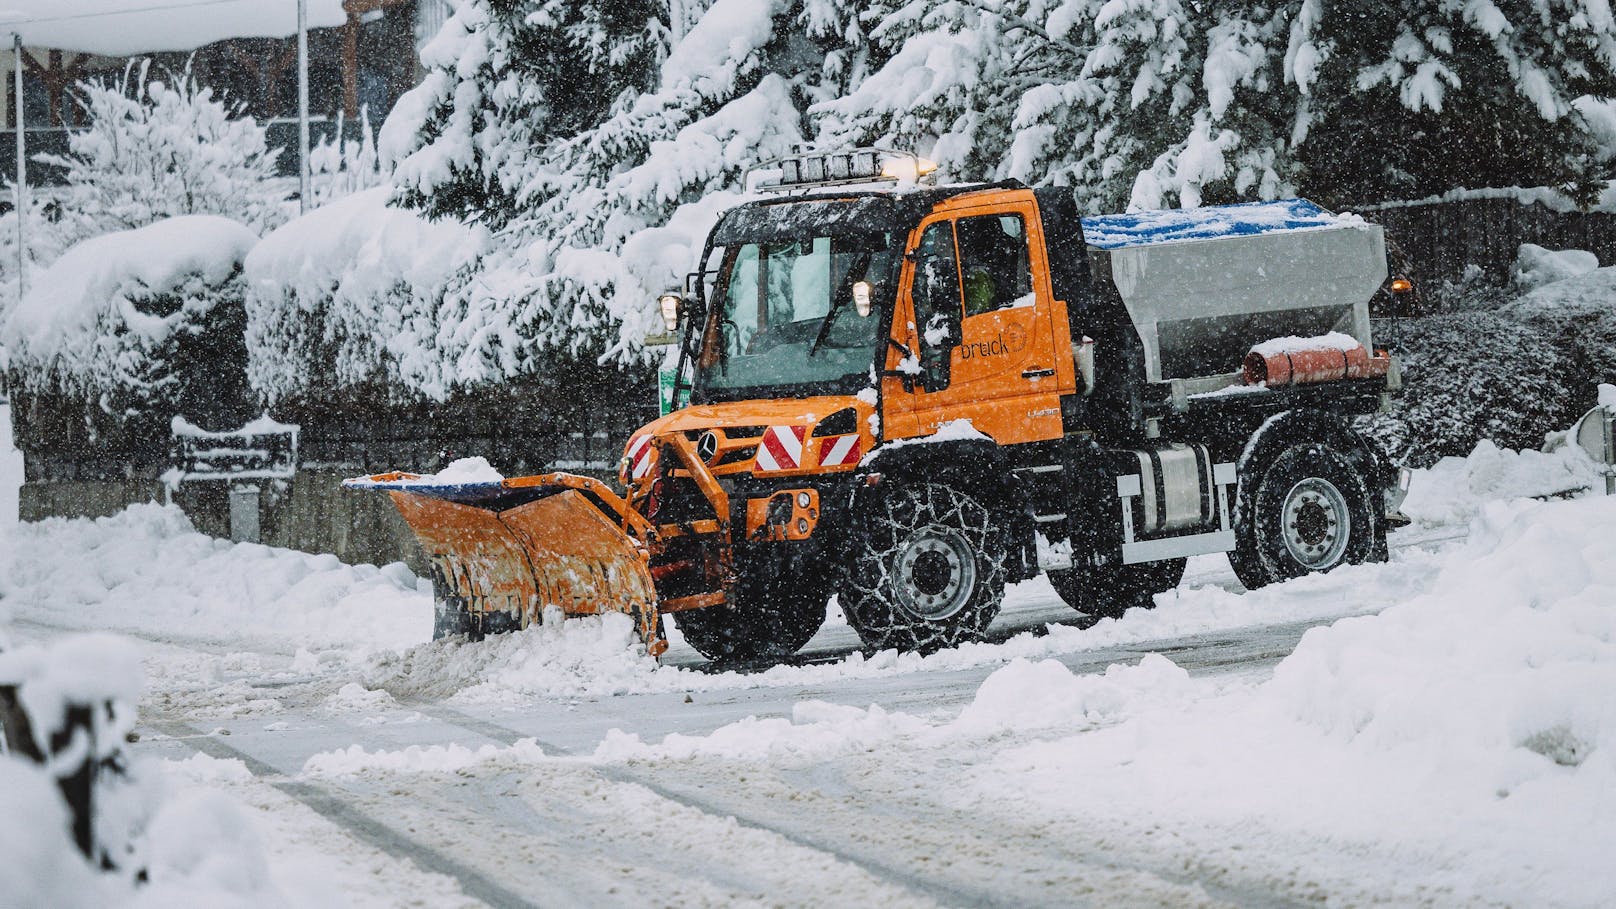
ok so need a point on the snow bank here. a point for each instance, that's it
(1453, 490)
(1460, 741)
(82, 314)
(146, 571)
(1536, 266)
(1510, 651)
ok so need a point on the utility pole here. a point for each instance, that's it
(22, 173)
(302, 106)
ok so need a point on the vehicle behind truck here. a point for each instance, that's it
(909, 396)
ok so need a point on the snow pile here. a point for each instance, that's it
(461, 472)
(94, 317)
(358, 291)
(1502, 658)
(1335, 340)
(452, 758)
(146, 571)
(590, 656)
(1454, 489)
(1026, 695)
(1536, 266)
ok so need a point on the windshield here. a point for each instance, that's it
(797, 313)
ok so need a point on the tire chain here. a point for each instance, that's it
(882, 624)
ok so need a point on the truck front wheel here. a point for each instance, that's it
(928, 569)
(774, 614)
(1307, 510)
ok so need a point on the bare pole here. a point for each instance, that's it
(22, 173)
(302, 106)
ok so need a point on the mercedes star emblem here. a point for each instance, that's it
(707, 445)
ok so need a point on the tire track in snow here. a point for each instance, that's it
(331, 806)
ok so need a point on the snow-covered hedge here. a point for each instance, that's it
(1510, 374)
(135, 320)
(359, 293)
(1474, 376)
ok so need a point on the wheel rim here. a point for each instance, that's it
(1316, 523)
(936, 572)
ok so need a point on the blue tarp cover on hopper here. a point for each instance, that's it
(1143, 228)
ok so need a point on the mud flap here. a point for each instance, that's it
(521, 545)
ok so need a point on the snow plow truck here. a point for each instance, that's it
(907, 396)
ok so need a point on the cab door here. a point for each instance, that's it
(976, 311)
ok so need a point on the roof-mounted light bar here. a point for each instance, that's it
(806, 170)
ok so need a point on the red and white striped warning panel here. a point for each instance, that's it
(781, 448)
(839, 451)
(641, 455)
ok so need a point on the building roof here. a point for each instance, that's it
(121, 28)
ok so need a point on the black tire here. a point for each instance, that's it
(928, 569)
(1304, 510)
(1109, 592)
(774, 614)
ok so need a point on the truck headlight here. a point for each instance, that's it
(670, 304)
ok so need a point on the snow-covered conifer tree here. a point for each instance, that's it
(1415, 97)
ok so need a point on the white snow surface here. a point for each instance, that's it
(70, 305)
(1335, 340)
(1460, 726)
(121, 28)
(146, 570)
(1536, 266)
(1454, 490)
(462, 471)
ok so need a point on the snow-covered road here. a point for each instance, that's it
(434, 779)
(1413, 733)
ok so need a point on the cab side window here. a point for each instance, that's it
(993, 263)
(936, 295)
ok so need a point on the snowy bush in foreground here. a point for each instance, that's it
(152, 846)
(138, 323)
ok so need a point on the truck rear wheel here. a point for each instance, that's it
(773, 616)
(928, 569)
(1307, 510)
(1108, 593)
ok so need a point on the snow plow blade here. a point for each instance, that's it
(522, 544)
